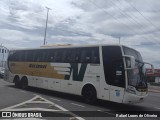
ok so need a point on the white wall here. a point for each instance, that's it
(157, 80)
(3, 55)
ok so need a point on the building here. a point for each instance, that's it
(153, 77)
(3, 56)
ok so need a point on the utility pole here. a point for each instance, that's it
(46, 26)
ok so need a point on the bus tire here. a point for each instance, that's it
(24, 83)
(17, 81)
(89, 94)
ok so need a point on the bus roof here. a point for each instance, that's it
(67, 46)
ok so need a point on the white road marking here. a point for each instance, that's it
(23, 91)
(106, 112)
(32, 101)
(42, 100)
(25, 119)
(11, 88)
(157, 108)
(36, 94)
(31, 109)
(154, 95)
(55, 99)
(77, 105)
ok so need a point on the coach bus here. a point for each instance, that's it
(108, 72)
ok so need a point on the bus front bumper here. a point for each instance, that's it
(134, 98)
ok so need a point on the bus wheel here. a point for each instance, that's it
(17, 82)
(89, 94)
(24, 83)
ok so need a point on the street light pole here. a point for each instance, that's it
(46, 26)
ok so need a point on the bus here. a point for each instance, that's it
(108, 72)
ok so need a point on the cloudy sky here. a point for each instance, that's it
(135, 22)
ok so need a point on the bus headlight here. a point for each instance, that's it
(130, 90)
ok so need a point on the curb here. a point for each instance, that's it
(152, 90)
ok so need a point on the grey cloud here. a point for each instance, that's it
(100, 21)
(93, 5)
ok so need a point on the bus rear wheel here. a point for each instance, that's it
(89, 95)
(24, 83)
(17, 82)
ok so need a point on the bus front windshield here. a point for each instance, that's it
(136, 76)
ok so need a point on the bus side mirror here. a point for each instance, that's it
(130, 61)
(152, 67)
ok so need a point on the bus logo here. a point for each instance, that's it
(72, 71)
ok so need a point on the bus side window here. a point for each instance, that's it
(10, 56)
(85, 55)
(18, 56)
(46, 56)
(38, 56)
(77, 56)
(66, 56)
(95, 55)
(43, 56)
(51, 56)
(30, 56)
(58, 56)
(14, 56)
(82, 59)
(19, 53)
(23, 56)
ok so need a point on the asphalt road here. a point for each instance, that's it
(10, 96)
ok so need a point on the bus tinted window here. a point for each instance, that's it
(58, 56)
(50, 55)
(30, 55)
(90, 55)
(65, 55)
(81, 55)
(12, 56)
(23, 56)
(76, 55)
(16, 56)
(38, 56)
(95, 55)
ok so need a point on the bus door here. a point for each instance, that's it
(114, 72)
